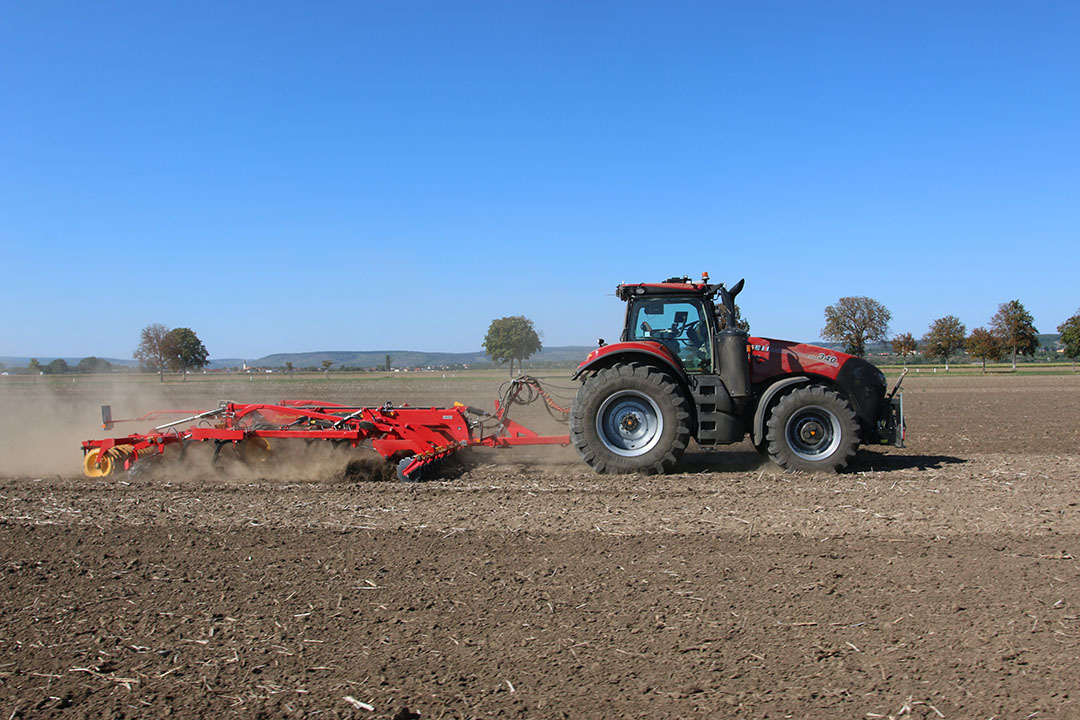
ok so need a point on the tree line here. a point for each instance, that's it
(857, 321)
(854, 322)
(160, 348)
(60, 366)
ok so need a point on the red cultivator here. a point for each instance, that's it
(412, 437)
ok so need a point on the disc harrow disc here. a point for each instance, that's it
(254, 450)
(413, 476)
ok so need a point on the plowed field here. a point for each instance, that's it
(938, 581)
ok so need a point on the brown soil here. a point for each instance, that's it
(940, 581)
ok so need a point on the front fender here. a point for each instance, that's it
(757, 430)
(653, 352)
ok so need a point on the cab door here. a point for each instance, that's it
(680, 324)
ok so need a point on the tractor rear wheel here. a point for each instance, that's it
(630, 418)
(813, 429)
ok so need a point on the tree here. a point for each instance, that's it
(389, 361)
(740, 322)
(34, 367)
(855, 321)
(1070, 337)
(289, 367)
(946, 337)
(903, 345)
(184, 350)
(326, 367)
(511, 338)
(58, 366)
(1016, 328)
(93, 365)
(152, 352)
(984, 344)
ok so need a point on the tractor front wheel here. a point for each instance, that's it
(630, 418)
(812, 429)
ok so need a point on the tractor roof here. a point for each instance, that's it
(671, 286)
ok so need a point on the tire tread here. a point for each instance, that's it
(660, 460)
(776, 443)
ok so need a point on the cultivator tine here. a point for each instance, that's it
(141, 466)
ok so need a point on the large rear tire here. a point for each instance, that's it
(630, 418)
(812, 429)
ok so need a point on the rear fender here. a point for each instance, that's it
(648, 352)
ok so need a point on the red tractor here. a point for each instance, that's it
(683, 369)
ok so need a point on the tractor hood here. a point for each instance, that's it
(864, 383)
(770, 357)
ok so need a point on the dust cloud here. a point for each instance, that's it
(43, 421)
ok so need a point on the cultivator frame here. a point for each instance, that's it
(415, 438)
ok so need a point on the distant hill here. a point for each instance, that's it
(568, 356)
(219, 363)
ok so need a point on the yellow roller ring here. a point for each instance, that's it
(95, 467)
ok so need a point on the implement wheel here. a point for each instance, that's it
(96, 465)
(812, 429)
(630, 418)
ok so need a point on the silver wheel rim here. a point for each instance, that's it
(813, 433)
(629, 423)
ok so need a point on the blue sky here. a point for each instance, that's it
(394, 175)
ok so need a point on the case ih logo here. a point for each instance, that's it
(760, 348)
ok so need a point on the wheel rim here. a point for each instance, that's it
(813, 433)
(629, 423)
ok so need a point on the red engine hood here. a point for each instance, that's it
(770, 357)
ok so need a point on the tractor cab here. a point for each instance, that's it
(685, 319)
(680, 324)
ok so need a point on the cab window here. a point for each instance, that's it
(679, 324)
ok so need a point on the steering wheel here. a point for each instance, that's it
(693, 336)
